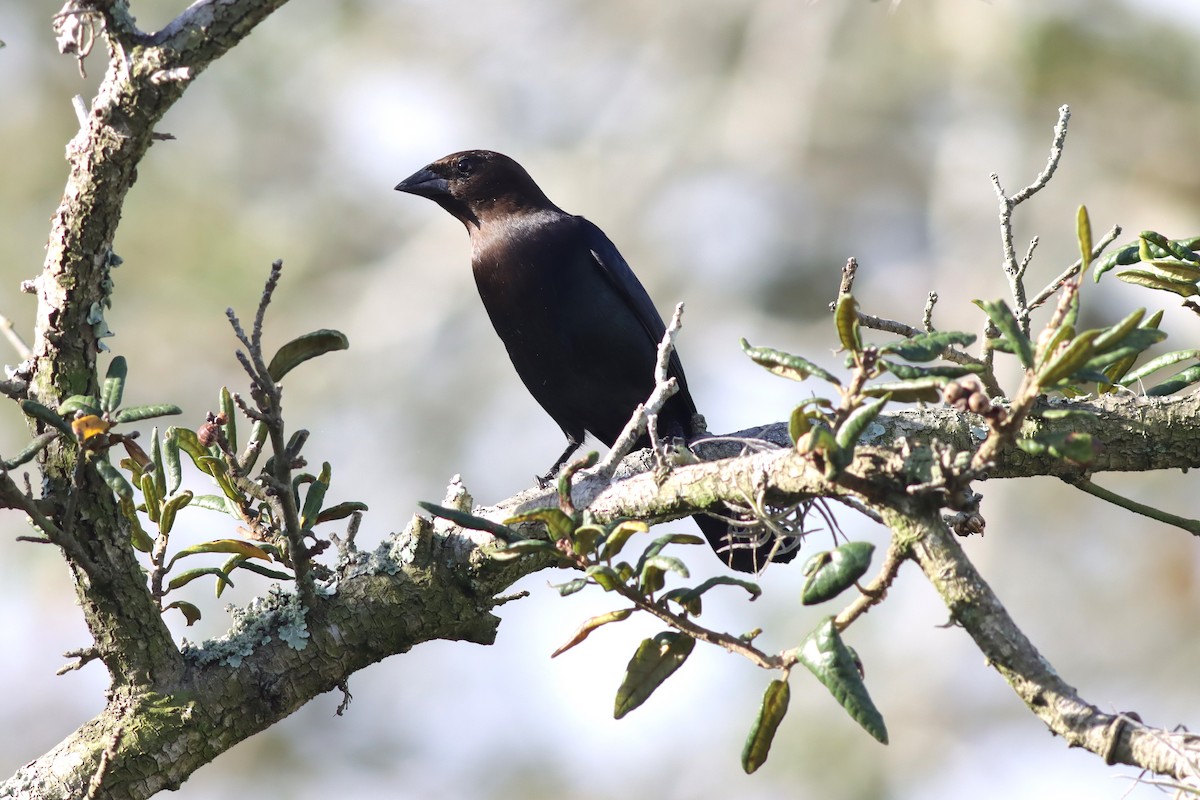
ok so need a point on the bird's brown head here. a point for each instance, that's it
(475, 184)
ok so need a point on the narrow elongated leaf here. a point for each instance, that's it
(1159, 280)
(845, 317)
(927, 346)
(1083, 232)
(1154, 365)
(524, 547)
(229, 411)
(1177, 383)
(570, 587)
(924, 390)
(187, 576)
(35, 446)
(302, 348)
(114, 384)
(171, 507)
(1004, 320)
(654, 661)
(190, 613)
(830, 574)
(849, 431)
(150, 497)
(1068, 360)
(266, 572)
(911, 372)
(654, 568)
(115, 480)
(39, 412)
(79, 402)
(605, 577)
(1131, 347)
(170, 461)
(787, 365)
(558, 524)
(770, 713)
(139, 413)
(214, 502)
(471, 521)
(619, 535)
(315, 497)
(590, 625)
(1112, 336)
(341, 511)
(234, 546)
(834, 666)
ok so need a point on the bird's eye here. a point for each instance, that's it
(464, 166)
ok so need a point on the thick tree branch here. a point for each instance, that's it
(1117, 738)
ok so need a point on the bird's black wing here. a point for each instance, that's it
(614, 267)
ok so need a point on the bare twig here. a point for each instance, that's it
(1013, 270)
(1073, 270)
(664, 388)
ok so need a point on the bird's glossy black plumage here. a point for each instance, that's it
(578, 325)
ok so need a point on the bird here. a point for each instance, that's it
(579, 327)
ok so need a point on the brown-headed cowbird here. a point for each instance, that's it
(578, 325)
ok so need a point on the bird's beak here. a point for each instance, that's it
(426, 183)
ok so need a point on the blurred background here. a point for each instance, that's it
(737, 153)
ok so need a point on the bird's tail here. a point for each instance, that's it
(746, 551)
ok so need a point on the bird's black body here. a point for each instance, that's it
(579, 327)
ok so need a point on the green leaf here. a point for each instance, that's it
(1002, 317)
(114, 384)
(1070, 359)
(170, 461)
(786, 365)
(1076, 448)
(187, 576)
(1130, 347)
(927, 346)
(1154, 365)
(150, 496)
(315, 497)
(301, 349)
(604, 576)
(1177, 383)
(830, 574)
(229, 411)
(770, 713)
(654, 661)
(910, 372)
(39, 412)
(727, 580)
(854, 425)
(340, 511)
(115, 480)
(570, 587)
(79, 402)
(215, 502)
(653, 570)
(189, 611)
(1162, 281)
(590, 625)
(137, 534)
(171, 507)
(845, 317)
(924, 390)
(1083, 232)
(35, 446)
(619, 535)
(524, 547)
(266, 572)
(471, 521)
(558, 524)
(823, 652)
(235, 546)
(139, 413)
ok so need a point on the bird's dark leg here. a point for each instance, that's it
(573, 443)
